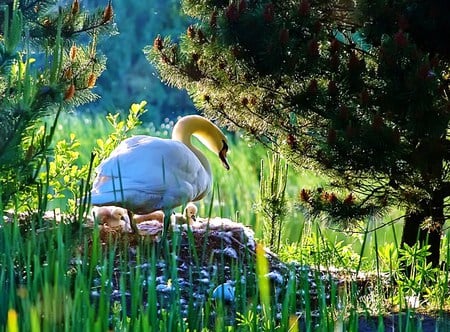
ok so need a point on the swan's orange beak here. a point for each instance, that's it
(223, 155)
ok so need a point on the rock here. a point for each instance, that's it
(224, 292)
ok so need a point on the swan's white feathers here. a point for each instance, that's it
(147, 173)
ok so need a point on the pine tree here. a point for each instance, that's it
(48, 64)
(358, 91)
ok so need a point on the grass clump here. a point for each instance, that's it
(59, 275)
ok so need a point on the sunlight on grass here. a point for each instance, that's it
(262, 270)
(12, 324)
(64, 275)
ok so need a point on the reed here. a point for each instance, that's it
(63, 276)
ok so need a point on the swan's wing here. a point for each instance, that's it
(147, 173)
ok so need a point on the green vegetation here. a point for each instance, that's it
(59, 274)
(308, 242)
(354, 89)
(48, 63)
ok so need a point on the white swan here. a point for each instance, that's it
(144, 174)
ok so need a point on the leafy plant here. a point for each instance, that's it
(273, 200)
(48, 63)
(122, 129)
(389, 258)
(420, 276)
(66, 174)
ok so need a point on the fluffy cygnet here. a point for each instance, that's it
(155, 215)
(188, 217)
(112, 216)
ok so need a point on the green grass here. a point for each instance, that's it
(53, 284)
(60, 277)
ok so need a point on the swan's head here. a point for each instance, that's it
(217, 143)
(207, 133)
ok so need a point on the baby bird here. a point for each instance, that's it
(187, 217)
(155, 215)
(112, 216)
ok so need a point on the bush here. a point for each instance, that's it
(48, 63)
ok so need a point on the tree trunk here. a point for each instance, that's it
(418, 228)
(411, 228)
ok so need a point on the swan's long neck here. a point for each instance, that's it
(183, 131)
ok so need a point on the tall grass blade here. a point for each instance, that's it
(12, 324)
(262, 270)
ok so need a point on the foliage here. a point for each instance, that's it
(66, 174)
(122, 129)
(371, 113)
(388, 255)
(421, 274)
(63, 175)
(273, 200)
(43, 266)
(320, 249)
(48, 63)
